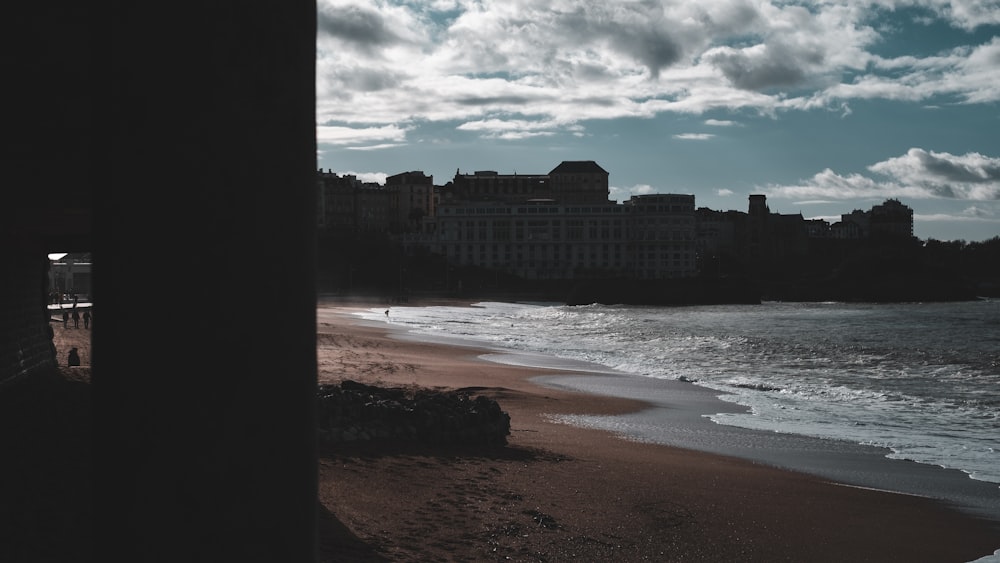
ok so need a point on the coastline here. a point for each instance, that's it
(677, 416)
(559, 490)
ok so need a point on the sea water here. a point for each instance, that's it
(922, 380)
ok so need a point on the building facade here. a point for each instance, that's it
(411, 198)
(561, 226)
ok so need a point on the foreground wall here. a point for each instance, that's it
(185, 133)
(25, 342)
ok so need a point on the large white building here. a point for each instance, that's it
(561, 226)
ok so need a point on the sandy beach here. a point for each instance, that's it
(558, 492)
(555, 492)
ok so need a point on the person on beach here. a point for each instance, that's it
(86, 319)
(387, 313)
(76, 319)
(65, 319)
(74, 357)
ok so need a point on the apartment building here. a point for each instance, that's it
(348, 207)
(411, 198)
(561, 225)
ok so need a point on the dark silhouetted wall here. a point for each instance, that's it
(176, 143)
(204, 351)
(25, 345)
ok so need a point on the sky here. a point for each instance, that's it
(824, 107)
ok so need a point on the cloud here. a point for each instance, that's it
(694, 136)
(971, 176)
(966, 14)
(979, 212)
(365, 27)
(720, 123)
(830, 185)
(355, 24)
(385, 62)
(368, 177)
(379, 147)
(341, 135)
(620, 194)
(918, 174)
(757, 67)
(512, 129)
(951, 218)
(724, 192)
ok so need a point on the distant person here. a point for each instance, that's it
(76, 318)
(74, 357)
(65, 318)
(86, 319)
(387, 313)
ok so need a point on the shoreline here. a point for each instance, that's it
(722, 506)
(678, 414)
(682, 422)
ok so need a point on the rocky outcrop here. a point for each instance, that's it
(355, 412)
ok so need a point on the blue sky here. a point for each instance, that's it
(825, 107)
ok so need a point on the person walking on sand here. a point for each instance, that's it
(76, 319)
(65, 318)
(86, 319)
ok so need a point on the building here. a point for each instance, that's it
(71, 274)
(561, 226)
(488, 185)
(579, 181)
(411, 198)
(350, 208)
(891, 219)
(540, 239)
(662, 234)
(582, 181)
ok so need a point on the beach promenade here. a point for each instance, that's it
(559, 492)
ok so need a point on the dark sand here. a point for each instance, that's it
(560, 492)
(555, 493)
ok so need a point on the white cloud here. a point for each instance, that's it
(624, 194)
(830, 185)
(368, 177)
(971, 176)
(376, 147)
(694, 136)
(918, 174)
(340, 135)
(951, 218)
(563, 62)
(724, 192)
(980, 212)
(720, 123)
(967, 14)
(515, 128)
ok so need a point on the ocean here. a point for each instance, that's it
(919, 381)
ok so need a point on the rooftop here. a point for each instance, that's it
(578, 167)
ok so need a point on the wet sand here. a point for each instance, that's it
(558, 491)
